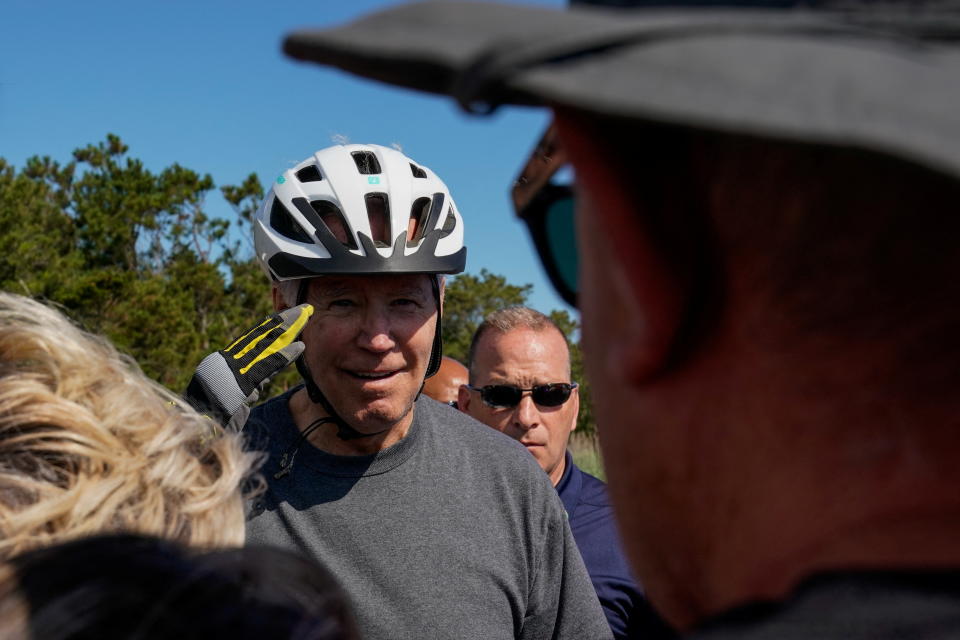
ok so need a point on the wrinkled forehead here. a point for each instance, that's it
(401, 284)
(541, 352)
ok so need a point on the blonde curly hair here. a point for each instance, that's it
(88, 444)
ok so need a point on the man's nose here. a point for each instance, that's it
(376, 331)
(526, 415)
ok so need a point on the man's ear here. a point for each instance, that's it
(649, 296)
(278, 303)
(575, 398)
(463, 398)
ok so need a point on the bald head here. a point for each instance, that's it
(444, 386)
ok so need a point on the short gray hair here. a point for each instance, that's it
(506, 320)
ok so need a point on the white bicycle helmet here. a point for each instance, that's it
(358, 209)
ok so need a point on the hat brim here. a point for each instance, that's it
(883, 81)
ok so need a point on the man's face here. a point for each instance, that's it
(368, 345)
(526, 358)
(657, 460)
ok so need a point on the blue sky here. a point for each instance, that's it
(205, 84)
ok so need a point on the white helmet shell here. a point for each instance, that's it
(360, 209)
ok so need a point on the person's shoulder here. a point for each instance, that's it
(446, 417)
(476, 439)
(276, 408)
(875, 604)
(593, 490)
(265, 418)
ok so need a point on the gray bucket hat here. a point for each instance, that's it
(879, 76)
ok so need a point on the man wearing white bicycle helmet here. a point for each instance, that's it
(399, 495)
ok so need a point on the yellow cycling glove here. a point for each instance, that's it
(227, 380)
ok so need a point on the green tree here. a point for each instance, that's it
(249, 289)
(134, 255)
(586, 426)
(128, 253)
(468, 300)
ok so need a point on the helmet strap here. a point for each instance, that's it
(437, 353)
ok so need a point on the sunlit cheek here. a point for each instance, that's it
(322, 332)
(325, 339)
(499, 420)
(502, 419)
(419, 332)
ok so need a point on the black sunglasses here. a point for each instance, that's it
(547, 209)
(507, 396)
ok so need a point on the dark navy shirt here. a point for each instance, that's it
(595, 531)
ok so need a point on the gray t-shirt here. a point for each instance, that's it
(454, 532)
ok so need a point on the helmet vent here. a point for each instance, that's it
(366, 161)
(285, 225)
(417, 171)
(417, 225)
(449, 224)
(378, 212)
(335, 222)
(309, 174)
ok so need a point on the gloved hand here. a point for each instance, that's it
(227, 380)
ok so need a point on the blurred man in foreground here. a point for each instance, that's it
(766, 218)
(445, 384)
(520, 384)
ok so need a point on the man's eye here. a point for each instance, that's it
(404, 302)
(341, 304)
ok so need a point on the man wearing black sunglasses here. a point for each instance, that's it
(519, 368)
(766, 219)
(519, 371)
